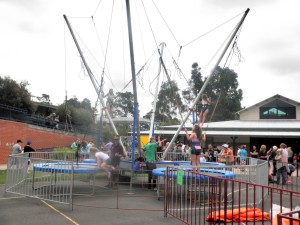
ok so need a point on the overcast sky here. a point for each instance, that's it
(35, 44)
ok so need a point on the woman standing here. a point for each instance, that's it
(196, 137)
(263, 152)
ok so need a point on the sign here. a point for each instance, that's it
(179, 177)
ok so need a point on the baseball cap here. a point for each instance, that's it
(225, 145)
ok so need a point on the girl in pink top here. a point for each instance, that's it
(196, 138)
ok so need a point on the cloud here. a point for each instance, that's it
(280, 54)
(30, 11)
(282, 64)
(29, 5)
(237, 3)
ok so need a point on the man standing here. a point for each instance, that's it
(150, 152)
(28, 149)
(210, 152)
(253, 152)
(228, 154)
(282, 164)
(243, 155)
(16, 148)
(108, 147)
(115, 157)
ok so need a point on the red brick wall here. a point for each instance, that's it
(41, 138)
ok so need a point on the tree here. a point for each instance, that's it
(169, 104)
(223, 90)
(44, 99)
(123, 104)
(195, 84)
(15, 94)
(81, 113)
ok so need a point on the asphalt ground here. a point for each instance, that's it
(93, 205)
(103, 206)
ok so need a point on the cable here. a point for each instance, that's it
(96, 8)
(166, 23)
(211, 30)
(150, 25)
(109, 29)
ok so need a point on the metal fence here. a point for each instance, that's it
(207, 198)
(63, 156)
(23, 178)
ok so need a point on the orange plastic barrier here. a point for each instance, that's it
(238, 215)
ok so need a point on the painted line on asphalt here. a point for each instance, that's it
(56, 210)
(12, 198)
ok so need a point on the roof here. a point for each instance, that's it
(270, 99)
(247, 124)
(284, 128)
(127, 119)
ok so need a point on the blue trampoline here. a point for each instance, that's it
(160, 172)
(66, 167)
(163, 164)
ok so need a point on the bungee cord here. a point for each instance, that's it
(108, 35)
(215, 28)
(166, 23)
(97, 8)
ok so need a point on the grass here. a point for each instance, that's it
(2, 176)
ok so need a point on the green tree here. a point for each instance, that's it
(223, 90)
(81, 113)
(44, 99)
(169, 104)
(15, 94)
(123, 104)
(194, 85)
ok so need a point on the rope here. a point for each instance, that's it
(106, 50)
(190, 42)
(165, 23)
(213, 112)
(150, 25)
(211, 30)
(172, 90)
(140, 70)
(97, 7)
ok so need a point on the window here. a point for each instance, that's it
(277, 109)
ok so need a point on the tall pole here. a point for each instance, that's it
(206, 82)
(136, 124)
(91, 76)
(151, 133)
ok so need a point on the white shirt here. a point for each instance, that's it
(102, 155)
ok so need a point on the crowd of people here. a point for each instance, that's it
(282, 160)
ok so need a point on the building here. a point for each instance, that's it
(270, 122)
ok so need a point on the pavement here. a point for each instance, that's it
(124, 205)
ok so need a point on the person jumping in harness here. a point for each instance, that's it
(205, 107)
(110, 101)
